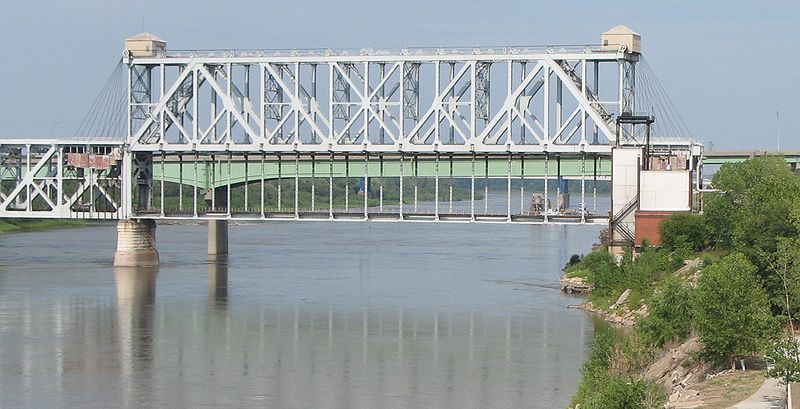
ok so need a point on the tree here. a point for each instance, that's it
(783, 358)
(684, 230)
(754, 205)
(784, 264)
(731, 310)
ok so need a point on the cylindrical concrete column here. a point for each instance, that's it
(136, 244)
(217, 237)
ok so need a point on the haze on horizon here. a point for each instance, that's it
(728, 66)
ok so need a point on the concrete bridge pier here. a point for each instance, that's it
(217, 238)
(217, 229)
(136, 244)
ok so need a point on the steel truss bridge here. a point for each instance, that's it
(264, 134)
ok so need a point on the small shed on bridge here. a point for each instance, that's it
(612, 39)
(144, 45)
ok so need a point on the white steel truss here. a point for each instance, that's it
(37, 179)
(515, 100)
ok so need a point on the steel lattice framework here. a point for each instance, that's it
(520, 100)
(37, 180)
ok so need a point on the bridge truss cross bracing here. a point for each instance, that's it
(517, 100)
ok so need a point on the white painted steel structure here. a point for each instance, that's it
(36, 180)
(509, 99)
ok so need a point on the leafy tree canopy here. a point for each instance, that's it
(731, 310)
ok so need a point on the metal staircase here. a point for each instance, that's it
(622, 229)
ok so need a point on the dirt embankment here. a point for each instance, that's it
(679, 372)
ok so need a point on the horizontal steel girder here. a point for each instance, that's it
(215, 174)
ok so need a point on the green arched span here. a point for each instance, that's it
(215, 173)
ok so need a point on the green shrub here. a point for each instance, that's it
(609, 379)
(597, 267)
(670, 314)
(623, 392)
(595, 369)
(684, 230)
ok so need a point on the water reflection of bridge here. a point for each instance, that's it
(367, 358)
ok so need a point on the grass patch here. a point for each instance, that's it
(12, 225)
(730, 389)
(588, 275)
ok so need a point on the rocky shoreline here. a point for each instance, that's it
(675, 367)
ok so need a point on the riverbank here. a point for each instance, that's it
(15, 225)
(654, 358)
(732, 307)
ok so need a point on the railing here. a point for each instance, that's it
(369, 51)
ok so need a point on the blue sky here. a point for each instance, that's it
(727, 65)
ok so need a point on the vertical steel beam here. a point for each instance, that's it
(546, 190)
(559, 107)
(311, 105)
(296, 183)
(436, 189)
(508, 187)
(263, 154)
(596, 85)
(246, 181)
(472, 190)
(450, 188)
(280, 177)
(313, 181)
(486, 186)
(546, 116)
(228, 192)
(594, 187)
(583, 187)
(366, 185)
(163, 159)
(380, 193)
(415, 165)
(60, 186)
(28, 158)
(522, 74)
(330, 188)
(180, 183)
(196, 182)
(402, 176)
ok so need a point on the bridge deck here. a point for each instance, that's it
(723, 157)
(338, 215)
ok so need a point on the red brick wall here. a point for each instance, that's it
(647, 223)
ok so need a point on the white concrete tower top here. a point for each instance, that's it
(144, 45)
(612, 39)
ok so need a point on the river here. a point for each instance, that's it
(302, 315)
